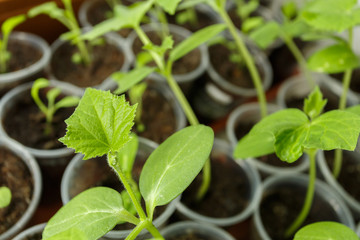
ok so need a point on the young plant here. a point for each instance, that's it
(100, 126)
(6, 29)
(52, 104)
(67, 17)
(5, 196)
(325, 231)
(130, 17)
(291, 132)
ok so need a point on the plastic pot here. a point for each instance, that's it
(34, 170)
(249, 114)
(78, 166)
(205, 231)
(324, 197)
(251, 183)
(30, 232)
(11, 79)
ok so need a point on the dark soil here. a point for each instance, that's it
(36, 236)
(190, 236)
(280, 207)
(349, 177)
(186, 64)
(157, 116)
(96, 172)
(15, 175)
(236, 74)
(101, 11)
(106, 59)
(228, 192)
(22, 55)
(25, 123)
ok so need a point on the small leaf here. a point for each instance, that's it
(174, 164)
(100, 124)
(129, 79)
(334, 59)
(93, 212)
(52, 95)
(10, 23)
(314, 104)
(69, 101)
(166, 44)
(168, 5)
(266, 34)
(289, 9)
(326, 231)
(126, 156)
(49, 8)
(296, 28)
(255, 145)
(252, 23)
(195, 40)
(336, 129)
(70, 234)
(288, 144)
(5, 196)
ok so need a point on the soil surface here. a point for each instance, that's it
(36, 236)
(106, 59)
(157, 116)
(15, 175)
(186, 64)
(235, 73)
(190, 236)
(25, 123)
(101, 11)
(280, 207)
(228, 192)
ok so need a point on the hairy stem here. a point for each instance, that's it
(142, 225)
(249, 61)
(308, 198)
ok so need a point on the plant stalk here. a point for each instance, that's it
(308, 198)
(248, 60)
(112, 163)
(142, 225)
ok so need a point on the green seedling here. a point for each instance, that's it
(101, 125)
(67, 17)
(5, 196)
(6, 30)
(52, 104)
(325, 231)
(244, 9)
(130, 17)
(291, 132)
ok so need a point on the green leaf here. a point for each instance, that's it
(166, 44)
(331, 15)
(326, 231)
(5, 196)
(296, 28)
(354, 109)
(334, 59)
(174, 164)
(336, 129)
(10, 23)
(100, 124)
(288, 144)
(251, 23)
(70, 234)
(93, 212)
(49, 8)
(168, 5)
(289, 9)
(266, 34)
(315, 103)
(195, 40)
(255, 145)
(126, 156)
(68, 101)
(126, 80)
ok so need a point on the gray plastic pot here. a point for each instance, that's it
(203, 230)
(252, 179)
(250, 113)
(353, 204)
(11, 79)
(37, 229)
(294, 181)
(44, 157)
(180, 32)
(34, 170)
(73, 170)
(297, 88)
(107, 83)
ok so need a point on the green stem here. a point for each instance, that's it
(141, 226)
(112, 162)
(248, 60)
(308, 198)
(299, 58)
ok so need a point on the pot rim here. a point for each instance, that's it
(29, 231)
(321, 188)
(255, 185)
(34, 169)
(37, 42)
